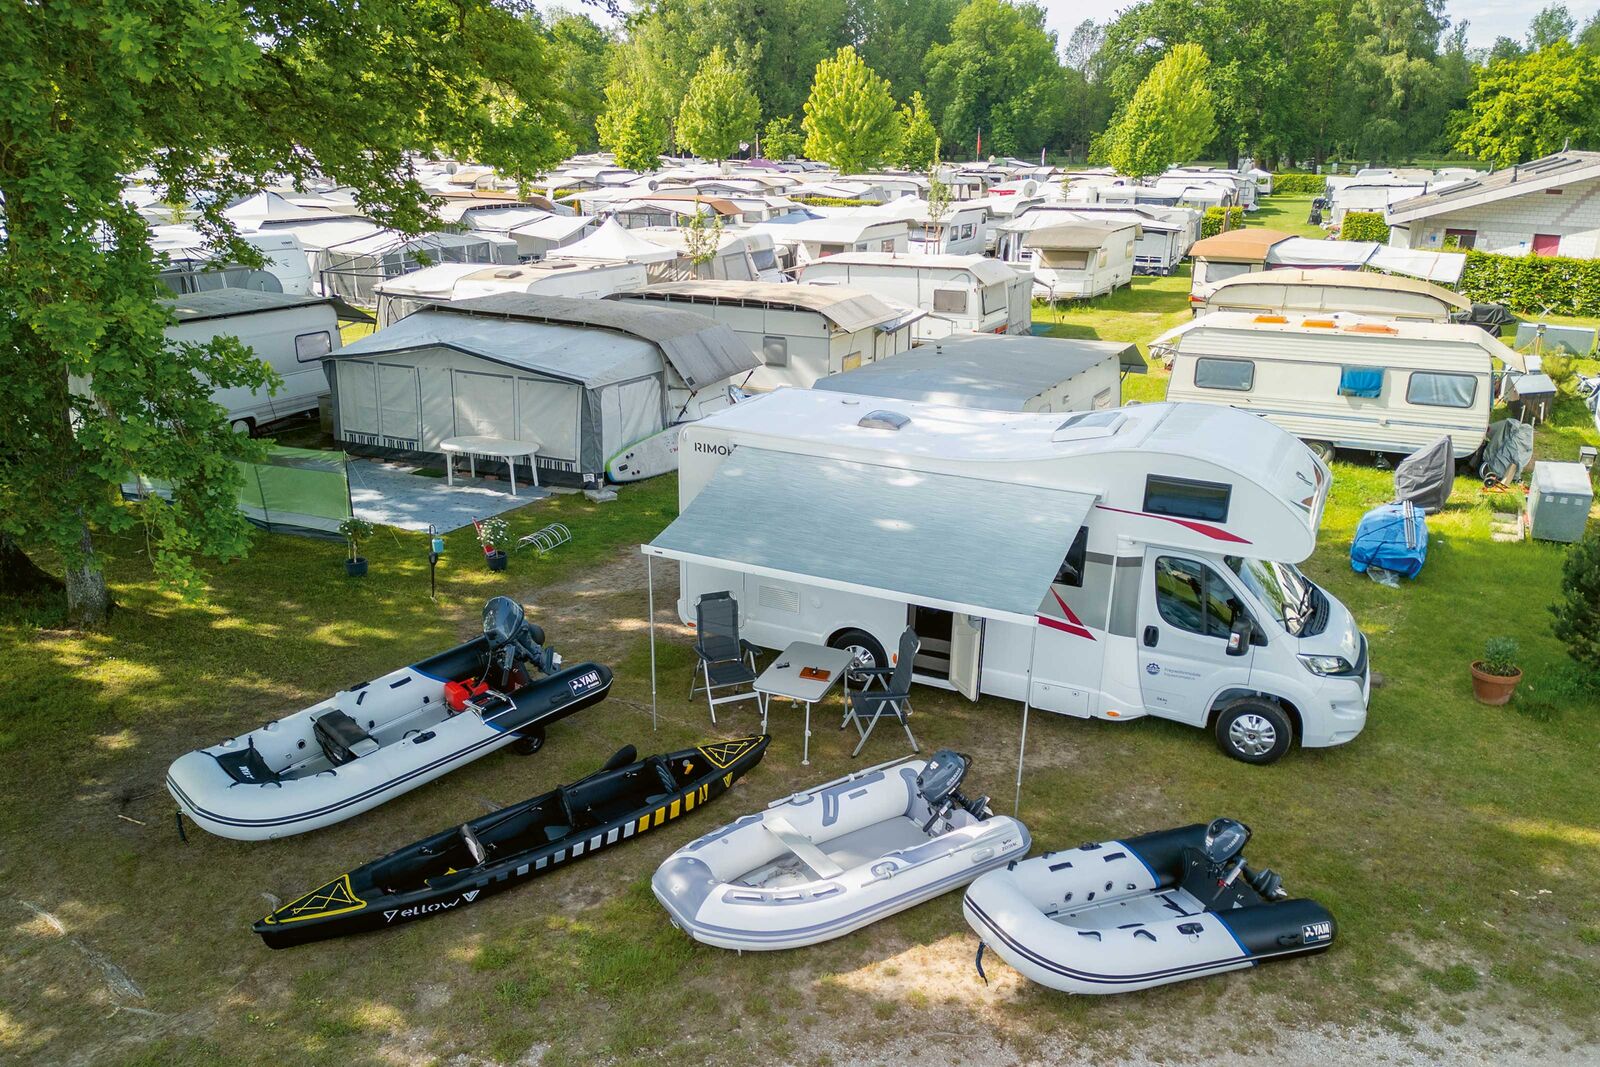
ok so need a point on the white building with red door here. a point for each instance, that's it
(1547, 207)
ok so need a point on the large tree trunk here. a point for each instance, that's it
(88, 599)
(20, 576)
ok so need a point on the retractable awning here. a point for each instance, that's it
(980, 547)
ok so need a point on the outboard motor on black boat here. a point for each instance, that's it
(1211, 870)
(940, 785)
(513, 639)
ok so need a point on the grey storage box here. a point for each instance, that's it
(1558, 503)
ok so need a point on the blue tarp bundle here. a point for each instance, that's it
(1393, 537)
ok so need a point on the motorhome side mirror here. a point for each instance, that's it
(1240, 635)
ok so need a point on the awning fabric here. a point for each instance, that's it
(961, 544)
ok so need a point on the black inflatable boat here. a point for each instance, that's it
(462, 865)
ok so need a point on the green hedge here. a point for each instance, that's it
(835, 201)
(1364, 226)
(1294, 183)
(1211, 225)
(1534, 283)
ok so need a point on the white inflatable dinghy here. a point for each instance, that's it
(374, 741)
(823, 863)
(1154, 909)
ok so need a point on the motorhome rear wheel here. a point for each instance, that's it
(867, 649)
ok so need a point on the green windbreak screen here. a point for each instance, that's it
(297, 490)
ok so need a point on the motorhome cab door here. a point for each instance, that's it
(1186, 616)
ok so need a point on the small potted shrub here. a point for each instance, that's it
(355, 531)
(492, 533)
(1495, 676)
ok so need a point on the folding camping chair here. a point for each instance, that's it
(893, 699)
(724, 660)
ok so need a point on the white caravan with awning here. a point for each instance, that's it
(961, 294)
(1108, 564)
(1342, 381)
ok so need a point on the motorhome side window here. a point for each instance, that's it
(950, 300)
(1236, 374)
(1192, 597)
(310, 347)
(775, 351)
(1436, 390)
(1071, 570)
(1186, 499)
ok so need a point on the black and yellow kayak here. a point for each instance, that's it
(460, 866)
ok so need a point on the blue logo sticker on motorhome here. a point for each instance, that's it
(1152, 668)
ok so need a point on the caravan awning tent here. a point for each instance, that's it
(880, 531)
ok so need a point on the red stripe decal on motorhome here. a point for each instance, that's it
(1072, 624)
(1216, 533)
(1065, 627)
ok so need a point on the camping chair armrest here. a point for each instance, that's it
(749, 648)
(876, 698)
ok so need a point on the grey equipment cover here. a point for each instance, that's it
(1507, 453)
(1425, 477)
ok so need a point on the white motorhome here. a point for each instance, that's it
(1165, 233)
(289, 333)
(1341, 381)
(1108, 564)
(961, 294)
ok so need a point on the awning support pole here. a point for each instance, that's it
(650, 585)
(1027, 702)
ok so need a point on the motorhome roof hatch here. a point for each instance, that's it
(1087, 424)
(883, 420)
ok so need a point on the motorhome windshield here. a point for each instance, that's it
(1281, 588)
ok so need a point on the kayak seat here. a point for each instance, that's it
(342, 738)
(554, 832)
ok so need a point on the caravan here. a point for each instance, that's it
(291, 334)
(961, 294)
(1108, 564)
(1341, 381)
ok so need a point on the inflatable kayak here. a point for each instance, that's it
(465, 864)
(820, 864)
(1142, 912)
(374, 741)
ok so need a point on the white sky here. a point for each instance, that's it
(1488, 18)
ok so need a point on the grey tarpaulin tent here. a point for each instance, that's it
(1425, 477)
(878, 531)
(581, 378)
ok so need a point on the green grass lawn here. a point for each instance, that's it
(1458, 845)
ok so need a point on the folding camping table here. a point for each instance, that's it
(505, 448)
(783, 678)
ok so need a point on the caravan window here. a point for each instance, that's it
(950, 300)
(1436, 390)
(1361, 381)
(1192, 597)
(775, 351)
(310, 347)
(994, 298)
(1236, 374)
(1185, 498)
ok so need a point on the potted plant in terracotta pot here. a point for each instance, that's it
(1495, 676)
(492, 533)
(355, 531)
